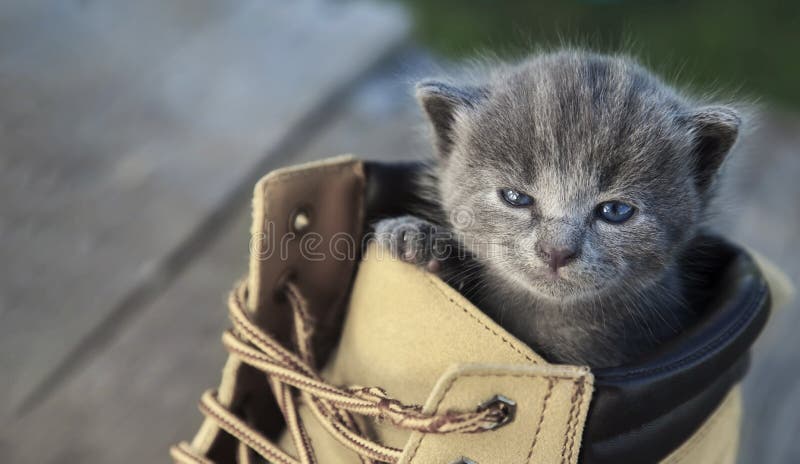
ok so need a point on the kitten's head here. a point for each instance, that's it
(574, 174)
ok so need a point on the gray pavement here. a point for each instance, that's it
(126, 128)
(138, 393)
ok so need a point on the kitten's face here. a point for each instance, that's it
(531, 165)
(655, 212)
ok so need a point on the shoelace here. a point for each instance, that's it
(293, 374)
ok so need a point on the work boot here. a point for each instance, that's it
(341, 354)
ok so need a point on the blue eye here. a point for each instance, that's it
(615, 212)
(516, 198)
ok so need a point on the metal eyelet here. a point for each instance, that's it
(464, 460)
(506, 406)
(300, 220)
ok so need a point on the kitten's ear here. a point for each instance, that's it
(714, 129)
(441, 102)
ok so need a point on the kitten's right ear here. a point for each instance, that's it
(715, 129)
(441, 102)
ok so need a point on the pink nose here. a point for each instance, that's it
(556, 257)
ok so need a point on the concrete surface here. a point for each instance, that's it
(138, 395)
(126, 126)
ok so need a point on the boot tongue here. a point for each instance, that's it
(307, 223)
(404, 328)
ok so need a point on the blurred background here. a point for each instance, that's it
(131, 134)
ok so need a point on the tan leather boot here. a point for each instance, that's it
(339, 354)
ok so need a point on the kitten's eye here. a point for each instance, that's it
(615, 211)
(516, 198)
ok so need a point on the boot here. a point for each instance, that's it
(340, 354)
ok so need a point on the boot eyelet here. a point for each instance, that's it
(506, 406)
(300, 220)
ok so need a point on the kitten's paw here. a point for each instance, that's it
(409, 239)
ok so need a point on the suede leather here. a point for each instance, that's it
(406, 331)
(551, 410)
(717, 440)
(437, 349)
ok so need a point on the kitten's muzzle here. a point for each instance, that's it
(556, 257)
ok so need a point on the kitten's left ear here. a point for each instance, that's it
(714, 129)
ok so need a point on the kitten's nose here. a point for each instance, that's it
(556, 257)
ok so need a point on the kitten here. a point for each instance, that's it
(566, 200)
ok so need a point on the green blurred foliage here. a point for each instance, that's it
(746, 47)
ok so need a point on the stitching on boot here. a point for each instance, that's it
(550, 384)
(569, 438)
(582, 404)
(438, 404)
(283, 177)
(552, 379)
(472, 316)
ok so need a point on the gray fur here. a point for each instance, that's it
(571, 129)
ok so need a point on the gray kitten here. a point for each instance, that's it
(566, 202)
